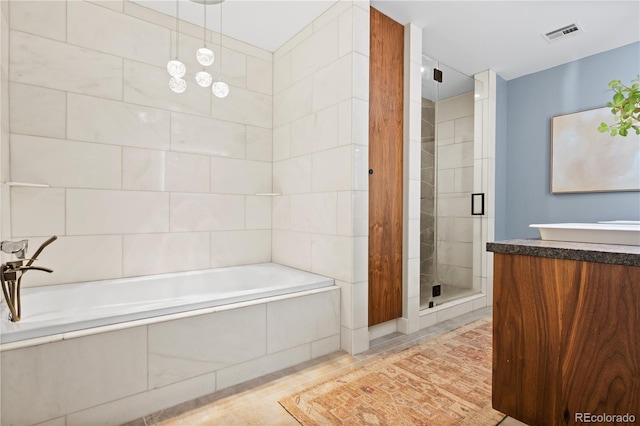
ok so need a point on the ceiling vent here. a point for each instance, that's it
(563, 33)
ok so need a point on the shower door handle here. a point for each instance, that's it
(477, 204)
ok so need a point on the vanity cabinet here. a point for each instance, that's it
(566, 331)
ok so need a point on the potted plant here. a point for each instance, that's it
(625, 107)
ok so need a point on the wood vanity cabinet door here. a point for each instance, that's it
(601, 367)
(527, 313)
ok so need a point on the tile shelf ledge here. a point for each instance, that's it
(26, 184)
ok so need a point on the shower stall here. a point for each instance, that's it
(450, 210)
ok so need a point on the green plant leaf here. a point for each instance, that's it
(603, 127)
(618, 98)
(623, 132)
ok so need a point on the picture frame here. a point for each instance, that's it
(585, 160)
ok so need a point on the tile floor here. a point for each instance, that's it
(256, 402)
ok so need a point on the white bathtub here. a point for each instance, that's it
(70, 307)
(112, 351)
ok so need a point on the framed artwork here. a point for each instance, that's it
(585, 160)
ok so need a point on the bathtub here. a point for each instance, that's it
(108, 352)
(63, 308)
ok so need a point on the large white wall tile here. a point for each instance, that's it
(145, 254)
(282, 142)
(316, 52)
(193, 346)
(332, 256)
(37, 111)
(44, 62)
(258, 212)
(457, 155)
(202, 135)
(292, 249)
(292, 322)
(65, 163)
(333, 84)
(292, 176)
(186, 172)
(282, 212)
(108, 31)
(332, 169)
(293, 102)
(281, 73)
(63, 377)
(206, 212)
(101, 258)
(259, 144)
(231, 176)
(116, 123)
(316, 213)
(230, 248)
(149, 85)
(37, 211)
(243, 106)
(259, 75)
(116, 212)
(46, 19)
(143, 169)
(315, 132)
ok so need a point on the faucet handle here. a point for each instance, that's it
(19, 248)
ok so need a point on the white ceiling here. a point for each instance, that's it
(470, 36)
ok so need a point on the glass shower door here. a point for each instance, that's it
(446, 222)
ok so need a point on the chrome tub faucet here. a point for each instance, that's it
(11, 272)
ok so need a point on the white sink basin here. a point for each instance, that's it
(624, 232)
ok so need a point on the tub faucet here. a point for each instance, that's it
(19, 248)
(11, 273)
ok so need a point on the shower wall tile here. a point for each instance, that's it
(292, 249)
(463, 129)
(145, 254)
(27, 205)
(259, 144)
(282, 142)
(116, 123)
(77, 259)
(203, 135)
(148, 85)
(96, 27)
(91, 212)
(333, 83)
(117, 5)
(293, 102)
(292, 176)
(230, 248)
(37, 111)
(282, 212)
(63, 163)
(455, 107)
(193, 346)
(332, 255)
(46, 19)
(259, 75)
(332, 170)
(457, 155)
(67, 375)
(143, 169)
(258, 212)
(206, 212)
(281, 73)
(315, 52)
(56, 65)
(230, 176)
(315, 213)
(186, 172)
(243, 106)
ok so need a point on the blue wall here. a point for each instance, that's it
(523, 162)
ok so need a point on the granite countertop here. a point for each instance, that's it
(600, 253)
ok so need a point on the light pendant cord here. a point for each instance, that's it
(177, 27)
(220, 41)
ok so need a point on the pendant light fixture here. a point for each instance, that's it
(220, 88)
(176, 69)
(204, 55)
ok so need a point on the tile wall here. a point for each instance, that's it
(455, 150)
(5, 229)
(320, 157)
(142, 180)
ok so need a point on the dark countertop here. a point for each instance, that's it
(599, 253)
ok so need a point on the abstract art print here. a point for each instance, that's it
(585, 160)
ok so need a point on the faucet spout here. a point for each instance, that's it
(19, 248)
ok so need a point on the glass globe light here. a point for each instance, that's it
(177, 85)
(204, 56)
(176, 68)
(204, 79)
(220, 89)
